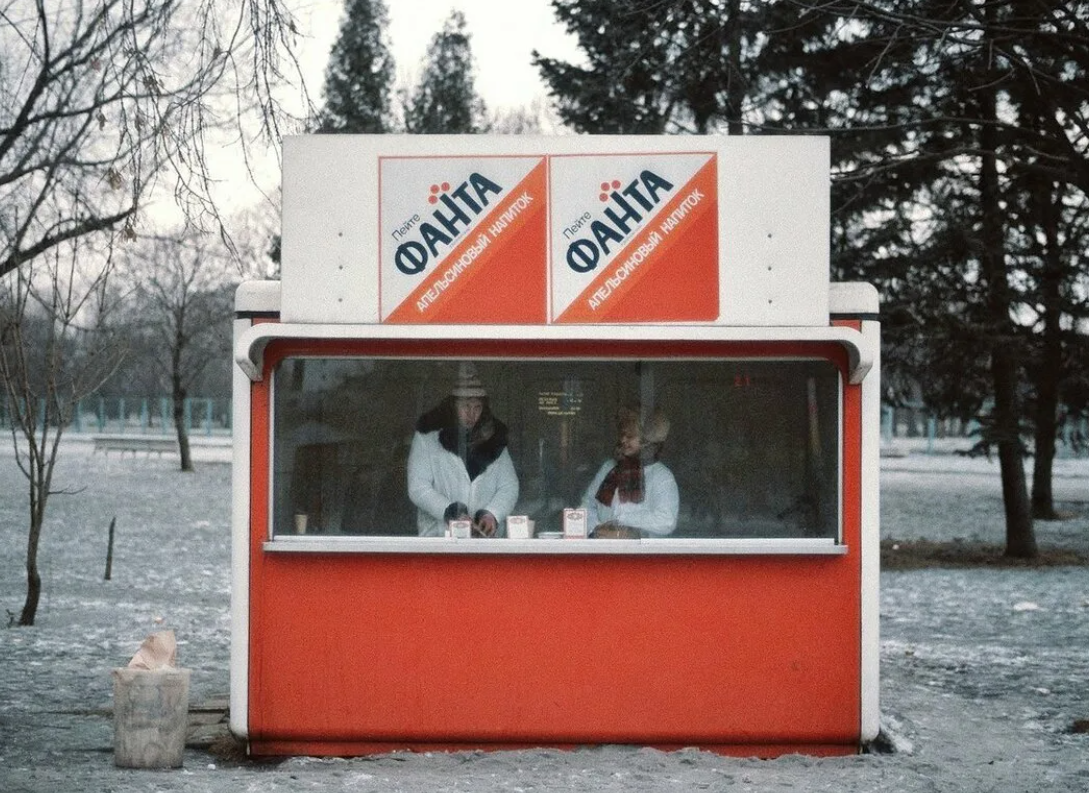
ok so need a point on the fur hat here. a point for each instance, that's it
(468, 384)
(653, 428)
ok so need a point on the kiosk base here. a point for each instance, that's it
(361, 748)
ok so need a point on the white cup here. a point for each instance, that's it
(300, 523)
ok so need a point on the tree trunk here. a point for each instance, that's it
(178, 393)
(1043, 498)
(1020, 534)
(1051, 364)
(33, 579)
(40, 475)
(1005, 364)
(182, 431)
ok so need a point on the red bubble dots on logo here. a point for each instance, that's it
(615, 185)
(434, 197)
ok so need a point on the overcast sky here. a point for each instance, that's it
(504, 33)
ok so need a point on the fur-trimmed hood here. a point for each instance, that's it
(478, 447)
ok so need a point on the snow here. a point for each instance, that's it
(983, 669)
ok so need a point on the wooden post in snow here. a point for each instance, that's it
(109, 551)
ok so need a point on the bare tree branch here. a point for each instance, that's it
(105, 102)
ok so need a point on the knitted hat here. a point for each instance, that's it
(653, 428)
(468, 384)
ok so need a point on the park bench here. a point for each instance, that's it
(135, 443)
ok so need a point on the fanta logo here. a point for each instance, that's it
(626, 210)
(456, 211)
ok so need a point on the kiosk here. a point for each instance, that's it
(570, 277)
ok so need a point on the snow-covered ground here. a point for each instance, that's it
(984, 670)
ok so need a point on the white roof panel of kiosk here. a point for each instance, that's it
(575, 230)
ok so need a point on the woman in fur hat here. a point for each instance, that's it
(634, 494)
(459, 467)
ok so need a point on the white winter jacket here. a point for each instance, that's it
(654, 516)
(437, 478)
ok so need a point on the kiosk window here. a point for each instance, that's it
(753, 444)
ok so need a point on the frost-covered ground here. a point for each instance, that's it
(984, 670)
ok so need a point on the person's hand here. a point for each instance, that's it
(456, 511)
(614, 531)
(484, 524)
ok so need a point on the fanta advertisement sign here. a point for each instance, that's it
(456, 236)
(639, 242)
(569, 230)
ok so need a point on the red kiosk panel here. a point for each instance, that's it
(362, 652)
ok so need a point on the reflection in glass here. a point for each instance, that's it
(753, 444)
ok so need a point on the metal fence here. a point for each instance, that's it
(931, 433)
(147, 415)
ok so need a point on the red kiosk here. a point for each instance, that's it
(577, 274)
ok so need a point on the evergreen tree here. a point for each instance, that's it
(950, 121)
(652, 67)
(445, 100)
(954, 126)
(621, 89)
(360, 72)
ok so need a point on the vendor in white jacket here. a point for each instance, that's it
(634, 494)
(459, 467)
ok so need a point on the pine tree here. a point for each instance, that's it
(653, 67)
(953, 127)
(445, 100)
(360, 72)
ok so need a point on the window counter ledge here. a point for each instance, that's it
(442, 545)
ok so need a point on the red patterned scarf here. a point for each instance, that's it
(626, 477)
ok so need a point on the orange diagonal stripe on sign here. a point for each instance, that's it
(581, 309)
(441, 286)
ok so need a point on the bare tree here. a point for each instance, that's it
(105, 104)
(54, 349)
(103, 101)
(182, 301)
(524, 120)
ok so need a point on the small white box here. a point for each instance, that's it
(574, 523)
(461, 529)
(518, 527)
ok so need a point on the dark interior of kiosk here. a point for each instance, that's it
(753, 444)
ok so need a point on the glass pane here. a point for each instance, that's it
(752, 446)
